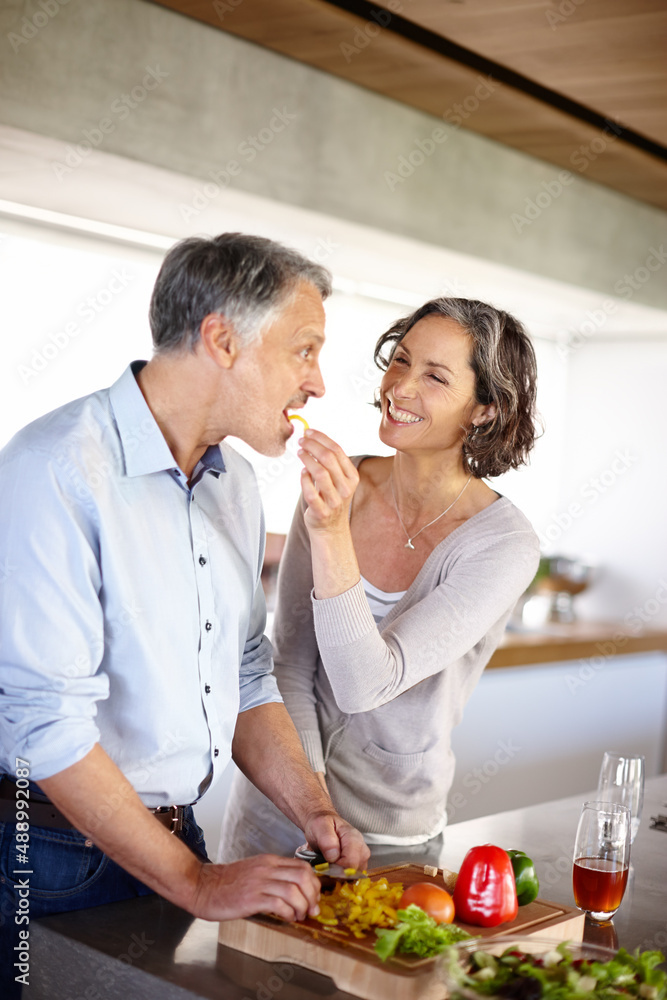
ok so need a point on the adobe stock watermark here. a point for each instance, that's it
(87, 476)
(105, 978)
(86, 311)
(426, 146)
(658, 942)
(324, 248)
(120, 109)
(475, 780)
(590, 492)
(173, 744)
(564, 10)
(624, 287)
(85, 664)
(31, 26)
(549, 874)
(368, 32)
(224, 7)
(7, 569)
(634, 622)
(283, 972)
(246, 152)
(631, 283)
(580, 158)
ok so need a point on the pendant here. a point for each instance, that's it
(408, 544)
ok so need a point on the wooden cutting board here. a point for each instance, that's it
(352, 963)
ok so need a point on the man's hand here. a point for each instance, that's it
(266, 883)
(267, 749)
(337, 841)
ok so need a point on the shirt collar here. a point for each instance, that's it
(211, 461)
(144, 448)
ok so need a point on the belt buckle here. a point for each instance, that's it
(176, 819)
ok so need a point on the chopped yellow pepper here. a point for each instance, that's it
(361, 905)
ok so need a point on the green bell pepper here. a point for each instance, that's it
(527, 883)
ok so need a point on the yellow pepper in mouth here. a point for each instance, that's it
(302, 420)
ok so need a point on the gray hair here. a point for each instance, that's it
(247, 279)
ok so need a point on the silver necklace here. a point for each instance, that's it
(408, 544)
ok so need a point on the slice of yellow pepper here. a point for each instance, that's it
(302, 420)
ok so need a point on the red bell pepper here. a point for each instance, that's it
(485, 891)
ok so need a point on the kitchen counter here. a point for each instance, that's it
(579, 640)
(148, 948)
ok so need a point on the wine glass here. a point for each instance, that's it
(622, 781)
(601, 858)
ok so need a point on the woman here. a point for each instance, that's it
(398, 578)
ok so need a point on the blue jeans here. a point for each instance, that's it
(65, 874)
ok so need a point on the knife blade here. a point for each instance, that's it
(317, 861)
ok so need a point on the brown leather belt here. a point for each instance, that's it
(42, 812)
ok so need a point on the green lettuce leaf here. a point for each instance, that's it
(416, 934)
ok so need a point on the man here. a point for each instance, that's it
(132, 655)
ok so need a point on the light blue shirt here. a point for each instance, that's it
(131, 607)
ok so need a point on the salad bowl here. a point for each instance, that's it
(531, 968)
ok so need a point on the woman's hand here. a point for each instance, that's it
(328, 482)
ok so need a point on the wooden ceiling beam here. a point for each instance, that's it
(322, 35)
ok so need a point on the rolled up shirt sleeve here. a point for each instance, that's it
(52, 640)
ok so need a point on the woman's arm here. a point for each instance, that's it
(368, 668)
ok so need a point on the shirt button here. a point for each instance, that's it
(216, 752)
(208, 626)
(207, 688)
(202, 561)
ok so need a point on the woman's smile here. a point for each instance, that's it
(399, 416)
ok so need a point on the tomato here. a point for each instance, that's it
(432, 899)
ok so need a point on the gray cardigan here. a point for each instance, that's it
(375, 704)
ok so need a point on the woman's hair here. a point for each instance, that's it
(247, 279)
(503, 361)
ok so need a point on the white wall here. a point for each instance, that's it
(611, 501)
(72, 317)
(534, 734)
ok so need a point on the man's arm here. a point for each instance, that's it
(87, 791)
(266, 747)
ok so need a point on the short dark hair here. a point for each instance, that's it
(244, 278)
(503, 361)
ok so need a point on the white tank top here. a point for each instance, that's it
(380, 602)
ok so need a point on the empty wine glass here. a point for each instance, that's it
(622, 780)
(601, 858)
